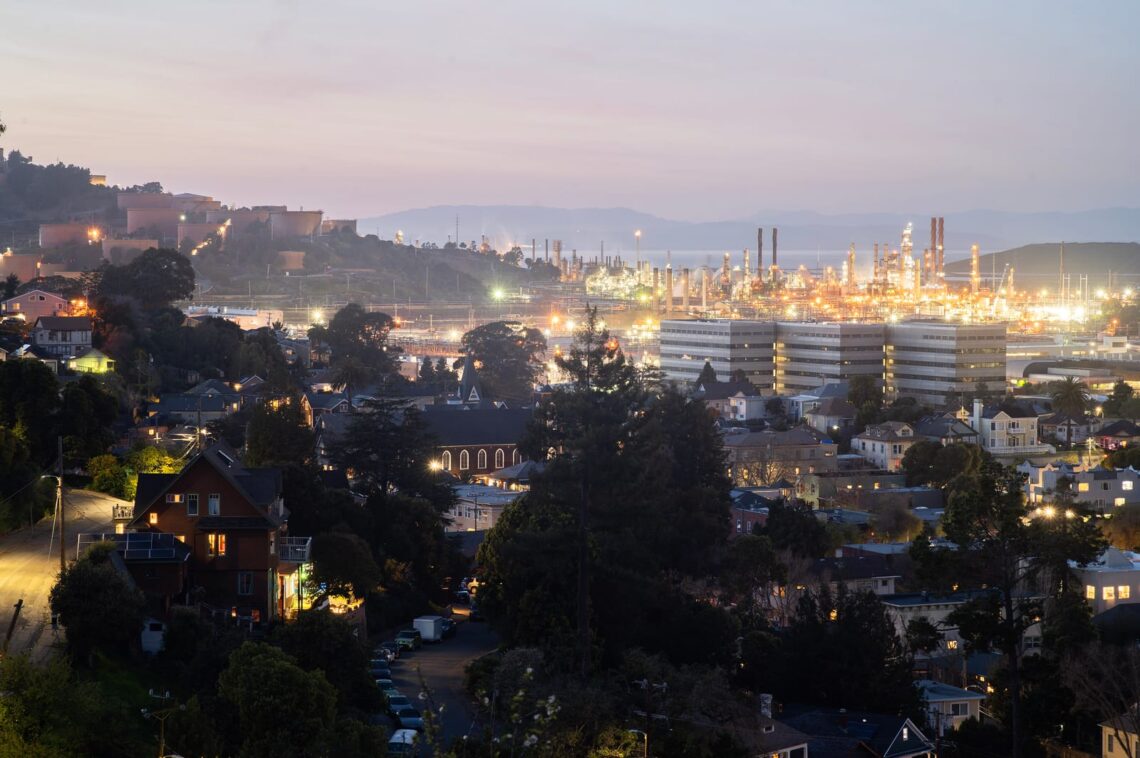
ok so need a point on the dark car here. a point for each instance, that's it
(408, 718)
(396, 702)
(392, 647)
(410, 639)
(449, 628)
(379, 669)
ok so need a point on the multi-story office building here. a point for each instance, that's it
(933, 361)
(727, 344)
(809, 355)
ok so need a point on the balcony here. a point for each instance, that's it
(122, 513)
(295, 549)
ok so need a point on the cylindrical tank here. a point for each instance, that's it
(120, 252)
(165, 220)
(196, 233)
(53, 235)
(286, 224)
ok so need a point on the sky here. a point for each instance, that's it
(691, 110)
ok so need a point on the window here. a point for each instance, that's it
(1119, 501)
(445, 460)
(172, 497)
(1111, 744)
(1123, 592)
(500, 459)
(192, 504)
(1083, 487)
(481, 458)
(216, 544)
(180, 537)
(245, 583)
(215, 504)
(1126, 486)
(464, 460)
(1090, 592)
(153, 518)
(951, 644)
(959, 709)
(1108, 593)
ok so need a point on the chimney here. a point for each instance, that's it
(656, 287)
(546, 247)
(933, 236)
(760, 252)
(978, 405)
(875, 265)
(941, 246)
(685, 288)
(668, 289)
(775, 249)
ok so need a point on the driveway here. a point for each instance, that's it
(441, 666)
(28, 571)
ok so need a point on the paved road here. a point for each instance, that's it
(28, 571)
(441, 666)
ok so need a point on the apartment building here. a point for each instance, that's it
(934, 361)
(728, 345)
(810, 355)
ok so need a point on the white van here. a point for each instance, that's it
(404, 742)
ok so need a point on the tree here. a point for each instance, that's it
(896, 523)
(751, 567)
(278, 436)
(1122, 392)
(707, 375)
(344, 562)
(351, 374)
(795, 530)
(29, 400)
(96, 605)
(1105, 680)
(11, 284)
(86, 417)
(509, 355)
(863, 389)
(931, 463)
(427, 371)
(317, 640)
(1123, 529)
(282, 709)
(24, 496)
(1070, 397)
(109, 475)
(155, 279)
(1021, 558)
(355, 332)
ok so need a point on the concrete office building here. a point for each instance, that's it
(727, 344)
(935, 360)
(810, 355)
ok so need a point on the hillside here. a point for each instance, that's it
(1041, 262)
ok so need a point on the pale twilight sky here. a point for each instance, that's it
(693, 109)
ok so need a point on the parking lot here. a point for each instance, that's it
(441, 665)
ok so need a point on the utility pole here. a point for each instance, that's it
(59, 496)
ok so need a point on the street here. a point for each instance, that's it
(28, 572)
(441, 666)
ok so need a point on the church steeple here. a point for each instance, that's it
(470, 388)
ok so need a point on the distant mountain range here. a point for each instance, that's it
(585, 228)
(1040, 265)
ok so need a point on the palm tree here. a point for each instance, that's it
(351, 374)
(1070, 397)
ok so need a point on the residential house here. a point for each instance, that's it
(885, 444)
(62, 336)
(91, 361)
(1117, 434)
(1042, 482)
(719, 396)
(750, 508)
(478, 507)
(1009, 428)
(760, 458)
(234, 525)
(946, 429)
(1120, 736)
(1109, 580)
(831, 415)
(516, 477)
(317, 404)
(1106, 488)
(1063, 428)
(33, 305)
(863, 573)
(845, 488)
(192, 409)
(948, 707)
(330, 430)
(476, 440)
(796, 406)
(839, 733)
(903, 608)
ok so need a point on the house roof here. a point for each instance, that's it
(840, 734)
(470, 386)
(888, 431)
(477, 426)
(211, 387)
(937, 692)
(1011, 408)
(523, 471)
(64, 323)
(184, 403)
(1057, 419)
(834, 406)
(325, 401)
(768, 438)
(724, 390)
(858, 567)
(943, 427)
(1119, 428)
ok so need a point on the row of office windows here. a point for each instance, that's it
(1120, 592)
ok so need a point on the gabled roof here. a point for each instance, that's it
(1058, 419)
(260, 487)
(520, 472)
(64, 323)
(834, 406)
(724, 390)
(838, 734)
(210, 387)
(800, 435)
(470, 386)
(1011, 408)
(938, 692)
(888, 431)
(326, 401)
(943, 427)
(188, 404)
(1119, 428)
(858, 567)
(478, 426)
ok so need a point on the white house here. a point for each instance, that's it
(62, 335)
(1113, 579)
(948, 707)
(478, 507)
(1107, 488)
(905, 607)
(885, 444)
(1008, 429)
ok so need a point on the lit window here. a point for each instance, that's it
(833, 614)
(192, 504)
(1108, 593)
(1090, 592)
(1083, 487)
(153, 518)
(482, 459)
(445, 460)
(216, 543)
(951, 644)
(464, 460)
(173, 498)
(215, 504)
(1126, 486)
(1119, 501)
(1123, 592)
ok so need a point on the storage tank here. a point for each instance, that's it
(197, 232)
(54, 235)
(286, 224)
(195, 203)
(291, 260)
(128, 200)
(240, 218)
(120, 252)
(25, 267)
(165, 220)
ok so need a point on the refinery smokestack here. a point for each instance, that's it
(875, 264)
(685, 283)
(760, 253)
(941, 248)
(775, 248)
(668, 289)
(975, 273)
(656, 288)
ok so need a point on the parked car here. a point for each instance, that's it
(463, 597)
(396, 702)
(384, 653)
(404, 742)
(387, 687)
(378, 668)
(449, 628)
(409, 718)
(392, 647)
(409, 639)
